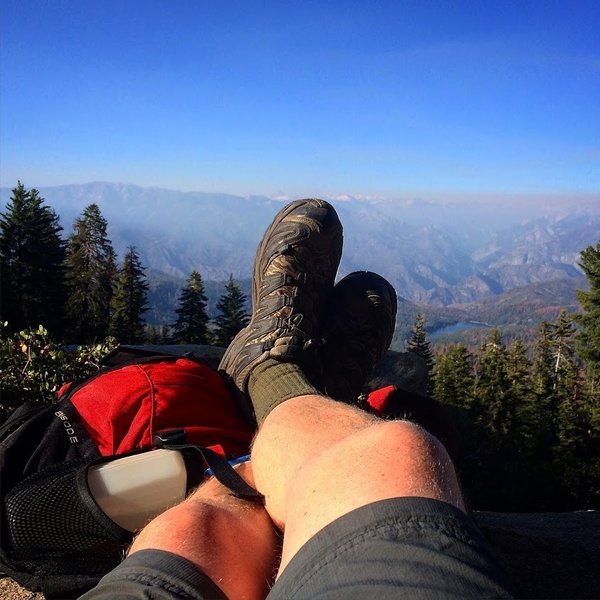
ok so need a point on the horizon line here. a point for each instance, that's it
(407, 195)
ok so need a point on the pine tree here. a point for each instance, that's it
(419, 345)
(519, 370)
(565, 368)
(496, 405)
(31, 258)
(129, 300)
(453, 380)
(543, 365)
(588, 349)
(493, 444)
(519, 374)
(232, 315)
(542, 413)
(575, 434)
(554, 376)
(191, 326)
(588, 337)
(91, 273)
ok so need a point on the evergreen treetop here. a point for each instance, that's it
(588, 336)
(543, 378)
(91, 273)
(495, 400)
(232, 315)
(32, 254)
(191, 326)
(453, 381)
(418, 342)
(129, 301)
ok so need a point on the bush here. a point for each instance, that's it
(33, 366)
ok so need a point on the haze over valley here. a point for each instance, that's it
(437, 252)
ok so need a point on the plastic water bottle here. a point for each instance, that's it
(134, 489)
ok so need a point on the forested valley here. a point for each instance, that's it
(526, 417)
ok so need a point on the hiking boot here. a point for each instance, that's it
(294, 272)
(358, 326)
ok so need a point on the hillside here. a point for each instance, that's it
(518, 311)
(436, 253)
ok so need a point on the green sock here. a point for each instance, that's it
(273, 382)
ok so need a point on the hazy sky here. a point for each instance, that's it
(302, 97)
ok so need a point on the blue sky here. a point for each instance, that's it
(303, 98)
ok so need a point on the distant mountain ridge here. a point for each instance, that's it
(439, 253)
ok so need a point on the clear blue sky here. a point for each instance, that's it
(302, 97)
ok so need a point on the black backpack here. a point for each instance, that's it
(54, 537)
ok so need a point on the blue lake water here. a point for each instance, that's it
(457, 328)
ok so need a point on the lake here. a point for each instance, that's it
(457, 328)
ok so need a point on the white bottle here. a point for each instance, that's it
(134, 489)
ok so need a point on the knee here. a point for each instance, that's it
(403, 440)
(405, 460)
(388, 459)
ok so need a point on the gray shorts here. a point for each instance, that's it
(397, 548)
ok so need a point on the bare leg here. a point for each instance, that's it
(316, 460)
(232, 541)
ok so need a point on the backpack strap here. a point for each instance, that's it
(175, 439)
(19, 416)
(124, 355)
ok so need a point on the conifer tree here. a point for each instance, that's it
(496, 405)
(588, 337)
(129, 300)
(543, 371)
(453, 380)
(419, 344)
(31, 260)
(519, 370)
(91, 273)
(577, 434)
(191, 326)
(563, 346)
(576, 450)
(493, 446)
(554, 375)
(232, 315)
(542, 414)
(553, 422)
(588, 350)
(519, 373)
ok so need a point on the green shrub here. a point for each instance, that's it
(33, 366)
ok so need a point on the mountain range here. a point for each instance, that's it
(435, 252)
